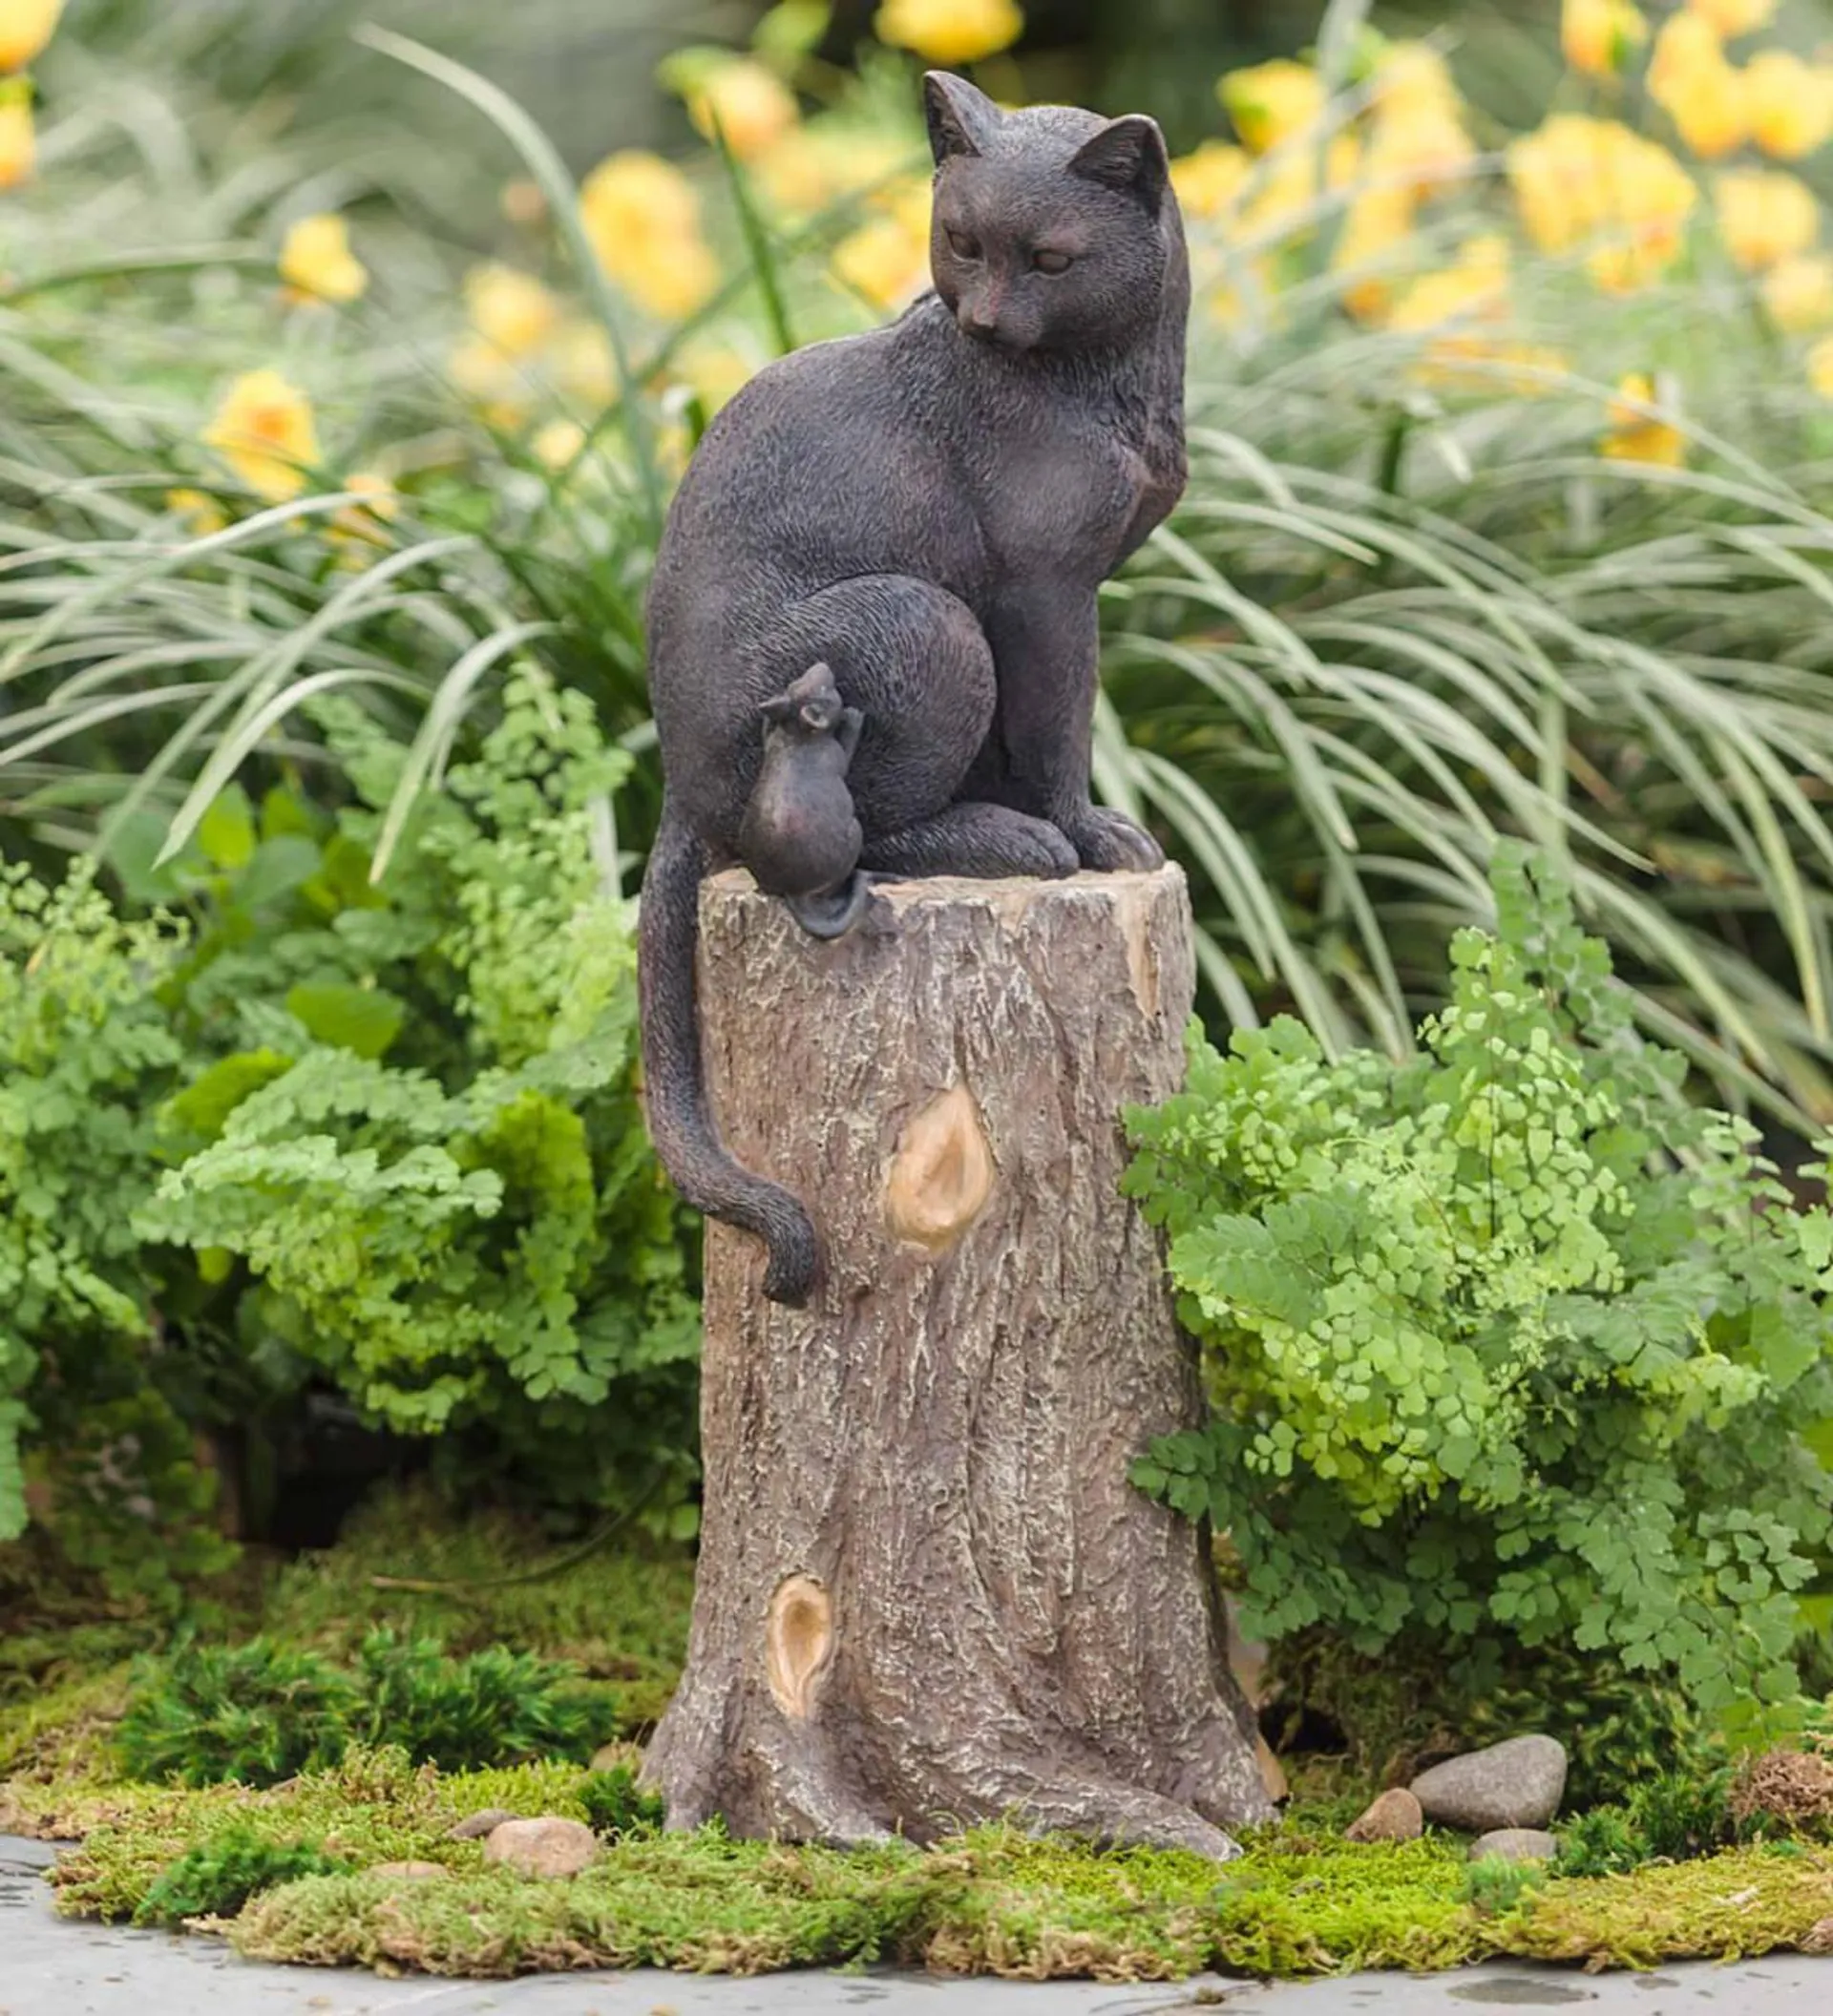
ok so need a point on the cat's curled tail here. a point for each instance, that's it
(705, 1174)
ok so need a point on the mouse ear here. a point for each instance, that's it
(1127, 154)
(961, 117)
(778, 707)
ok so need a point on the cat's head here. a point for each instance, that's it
(1054, 229)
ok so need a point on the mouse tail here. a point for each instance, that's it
(834, 912)
(675, 1088)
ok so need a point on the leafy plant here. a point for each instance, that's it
(1509, 1343)
(495, 1707)
(263, 1712)
(255, 1713)
(616, 1807)
(421, 1136)
(86, 1050)
(217, 1877)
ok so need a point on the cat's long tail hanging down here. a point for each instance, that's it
(680, 1120)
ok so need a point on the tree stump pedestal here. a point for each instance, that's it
(928, 1595)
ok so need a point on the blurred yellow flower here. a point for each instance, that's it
(512, 311)
(715, 372)
(1425, 146)
(583, 365)
(752, 106)
(1599, 36)
(885, 261)
(198, 511)
(1285, 201)
(361, 523)
(1209, 180)
(1797, 291)
(1684, 44)
(18, 139)
(811, 167)
(1820, 366)
(1412, 77)
(1271, 102)
(1592, 185)
(1639, 436)
(1790, 104)
(1764, 215)
(1475, 288)
(949, 31)
(1711, 111)
(26, 26)
(642, 218)
(558, 444)
(316, 261)
(494, 382)
(263, 429)
(1733, 17)
(1377, 222)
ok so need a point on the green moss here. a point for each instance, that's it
(1299, 1901)
(1731, 1906)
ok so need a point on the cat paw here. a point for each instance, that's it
(1110, 843)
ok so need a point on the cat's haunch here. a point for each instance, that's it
(914, 521)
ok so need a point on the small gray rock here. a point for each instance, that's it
(482, 1825)
(549, 1846)
(1518, 1783)
(1394, 1816)
(1515, 1844)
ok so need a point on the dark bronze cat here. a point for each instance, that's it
(928, 510)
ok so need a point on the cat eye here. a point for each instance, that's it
(963, 246)
(1052, 261)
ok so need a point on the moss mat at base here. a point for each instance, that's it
(1299, 1901)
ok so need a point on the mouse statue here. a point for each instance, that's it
(927, 511)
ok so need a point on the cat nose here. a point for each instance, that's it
(978, 318)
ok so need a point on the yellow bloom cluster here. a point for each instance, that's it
(1765, 217)
(26, 28)
(887, 259)
(316, 261)
(1591, 185)
(1599, 36)
(949, 31)
(1638, 434)
(265, 430)
(643, 217)
(748, 103)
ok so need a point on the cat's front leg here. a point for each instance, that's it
(1045, 641)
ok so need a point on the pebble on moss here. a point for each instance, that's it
(1515, 1844)
(1518, 1783)
(548, 1846)
(1394, 1816)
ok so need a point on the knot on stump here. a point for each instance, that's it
(942, 1173)
(798, 1642)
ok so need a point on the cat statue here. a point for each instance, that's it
(927, 510)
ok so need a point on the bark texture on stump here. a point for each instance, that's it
(928, 1595)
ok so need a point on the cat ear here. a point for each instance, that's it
(962, 118)
(1127, 154)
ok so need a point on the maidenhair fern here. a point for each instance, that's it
(1509, 1341)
